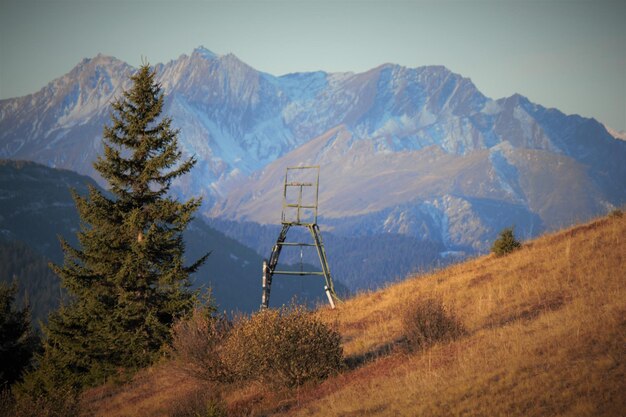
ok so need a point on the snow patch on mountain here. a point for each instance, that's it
(621, 135)
(506, 173)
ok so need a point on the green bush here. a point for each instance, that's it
(286, 348)
(505, 243)
(427, 322)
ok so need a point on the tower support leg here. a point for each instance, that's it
(270, 266)
(321, 252)
(267, 284)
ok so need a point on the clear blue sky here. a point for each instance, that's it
(559, 53)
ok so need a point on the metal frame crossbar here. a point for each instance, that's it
(302, 218)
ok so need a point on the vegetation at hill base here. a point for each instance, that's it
(543, 334)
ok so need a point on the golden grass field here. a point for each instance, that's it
(546, 337)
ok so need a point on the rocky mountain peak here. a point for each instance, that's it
(204, 53)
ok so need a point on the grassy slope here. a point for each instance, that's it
(547, 336)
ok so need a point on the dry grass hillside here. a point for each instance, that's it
(546, 335)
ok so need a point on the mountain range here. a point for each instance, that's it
(413, 152)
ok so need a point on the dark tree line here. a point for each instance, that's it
(37, 285)
(17, 339)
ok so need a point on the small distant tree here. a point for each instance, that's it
(505, 243)
(17, 340)
(127, 282)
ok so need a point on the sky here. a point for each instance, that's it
(568, 54)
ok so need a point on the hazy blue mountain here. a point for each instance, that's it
(37, 206)
(418, 152)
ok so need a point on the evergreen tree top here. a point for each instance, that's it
(141, 154)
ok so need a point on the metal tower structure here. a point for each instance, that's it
(300, 201)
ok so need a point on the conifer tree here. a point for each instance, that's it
(17, 340)
(126, 282)
(505, 243)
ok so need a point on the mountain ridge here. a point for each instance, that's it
(368, 130)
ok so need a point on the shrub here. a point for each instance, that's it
(505, 243)
(197, 344)
(62, 402)
(617, 213)
(7, 402)
(428, 322)
(286, 347)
